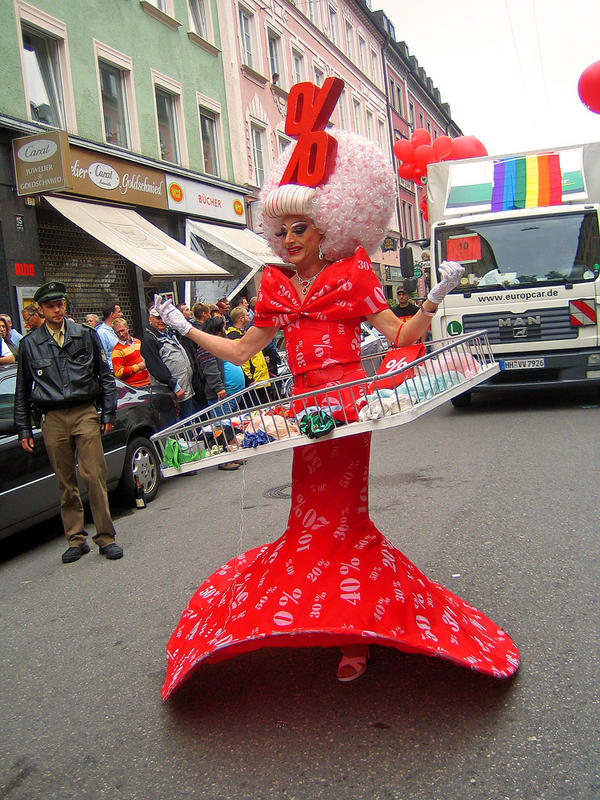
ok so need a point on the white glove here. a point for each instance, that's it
(170, 315)
(450, 274)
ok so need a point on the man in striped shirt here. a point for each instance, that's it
(127, 361)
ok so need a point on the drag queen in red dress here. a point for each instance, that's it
(331, 579)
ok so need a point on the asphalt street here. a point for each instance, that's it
(499, 502)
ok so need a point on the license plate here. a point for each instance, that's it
(523, 363)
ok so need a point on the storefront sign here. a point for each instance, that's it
(98, 175)
(389, 243)
(23, 269)
(203, 200)
(41, 162)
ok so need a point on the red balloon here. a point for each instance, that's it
(442, 146)
(589, 87)
(418, 172)
(420, 136)
(424, 154)
(466, 147)
(406, 171)
(404, 150)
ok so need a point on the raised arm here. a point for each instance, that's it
(235, 350)
(401, 334)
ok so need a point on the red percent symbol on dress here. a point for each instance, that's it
(309, 109)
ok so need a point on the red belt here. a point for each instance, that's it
(319, 377)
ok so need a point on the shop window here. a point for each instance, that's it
(198, 21)
(282, 142)
(341, 107)
(362, 51)
(349, 41)
(45, 65)
(356, 113)
(274, 44)
(167, 126)
(319, 75)
(298, 63)
(258, 153)
(369, 125)
(246, 33)
(117, 96)
(375, 66)
(333, 25)
(114, 105)
(42, 73)
(210, 141)
(169, 119)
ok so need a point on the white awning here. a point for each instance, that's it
(249, 251)
(137, 240)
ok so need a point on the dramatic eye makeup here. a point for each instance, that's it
(297, 228)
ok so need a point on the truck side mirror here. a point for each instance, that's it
(407, 264)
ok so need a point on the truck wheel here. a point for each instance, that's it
(141, 462)
(461, 400)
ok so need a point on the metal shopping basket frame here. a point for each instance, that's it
(248, 424)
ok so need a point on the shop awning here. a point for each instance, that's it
(137, 240)
(246, 252)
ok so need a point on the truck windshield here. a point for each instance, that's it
(557, 248)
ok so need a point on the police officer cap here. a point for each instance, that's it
(53, 290)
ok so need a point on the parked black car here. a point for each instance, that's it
(28, 489)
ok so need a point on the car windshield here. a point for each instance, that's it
(523, 252)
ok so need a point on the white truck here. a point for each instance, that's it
(526, 229)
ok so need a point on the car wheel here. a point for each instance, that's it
(461, 400)
(141, 462)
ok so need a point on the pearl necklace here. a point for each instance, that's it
(306, 284)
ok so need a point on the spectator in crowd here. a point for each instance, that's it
(255, 369)
(5, 336)
(186, 311)
(105, 330)
(6, 355)
(14, 337)
(404, 308)
(32, 317)
(251, 307)
(93, 320)
(200, 312)
(127, 361)
(272, 357)
(215, 311)
(190, 348)
(168, 363)
(224, 307)
(63, 374)
(221, 379)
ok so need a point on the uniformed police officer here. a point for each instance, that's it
(63, 375)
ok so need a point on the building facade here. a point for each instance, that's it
(163, 118)
(138, 89)
(267, 47)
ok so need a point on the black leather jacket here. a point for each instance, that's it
(50, 377)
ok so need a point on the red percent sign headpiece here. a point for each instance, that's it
(309, 109)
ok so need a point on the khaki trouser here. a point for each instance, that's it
(70, 434)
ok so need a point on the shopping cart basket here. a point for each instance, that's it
(263, 418)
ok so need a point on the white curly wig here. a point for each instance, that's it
(353, 208)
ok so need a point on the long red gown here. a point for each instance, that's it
(332, 578)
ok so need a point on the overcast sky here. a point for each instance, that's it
(508, 68)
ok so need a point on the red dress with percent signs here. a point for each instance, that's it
(332, 578)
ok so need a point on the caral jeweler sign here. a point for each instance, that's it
(41, 162)
(100, 175)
